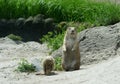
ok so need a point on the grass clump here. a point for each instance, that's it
(55, 39)
(25, 66)
(14, 37)
(58, 66)
(53, 42)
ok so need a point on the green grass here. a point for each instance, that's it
(20, 8)
(58, 66)
(14, 37)
(102, 13)
(25, 66)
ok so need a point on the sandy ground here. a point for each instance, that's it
(106, 72)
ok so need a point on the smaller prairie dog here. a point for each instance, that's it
(48, 65)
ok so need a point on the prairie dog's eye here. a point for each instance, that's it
(69, 28)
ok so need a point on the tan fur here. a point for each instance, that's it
(71, 53)
(48, 65)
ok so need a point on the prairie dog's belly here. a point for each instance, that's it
(70, 43)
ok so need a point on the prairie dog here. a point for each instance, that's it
(71, 53)
(48, 65)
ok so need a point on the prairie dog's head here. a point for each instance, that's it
(71, 31)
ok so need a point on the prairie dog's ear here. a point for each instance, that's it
(68, 29)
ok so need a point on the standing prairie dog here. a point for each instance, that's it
(48, 65)
(71, 53)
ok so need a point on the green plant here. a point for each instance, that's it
(58, 66)
(14, 37)
(54, 41)
(25, 66)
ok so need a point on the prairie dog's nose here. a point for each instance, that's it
(72, 31)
